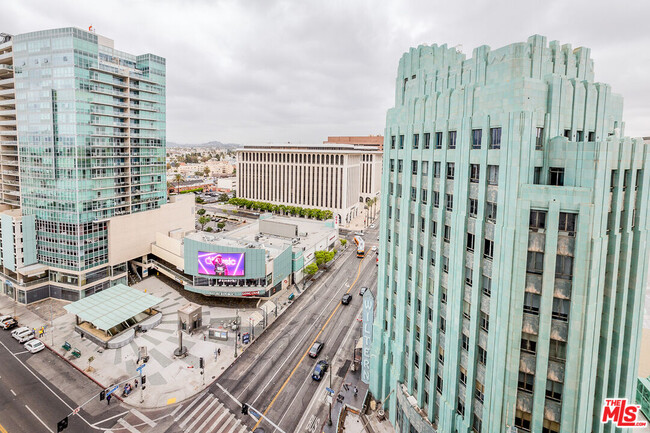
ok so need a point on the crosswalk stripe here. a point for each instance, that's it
(143, 417)
(234, 426)
(198, 418)
(214, 425)
(128, 426)
(216, 412)
(196, 400)
(195, 411)
(225, 425)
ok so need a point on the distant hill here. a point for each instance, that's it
(216, 144)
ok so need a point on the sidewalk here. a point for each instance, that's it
(345, 398)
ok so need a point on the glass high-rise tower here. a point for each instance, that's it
(514, 232)
(89, 145)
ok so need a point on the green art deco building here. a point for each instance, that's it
(514, 239)
(82, 136)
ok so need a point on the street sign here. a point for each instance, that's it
(254, 414)
(112, 390)
(329, 398)
(139, 369)
(330, 390)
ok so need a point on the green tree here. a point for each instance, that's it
(198, 199)
(178, 177)
(223, 197)
(206, 171)
(323, 257)
(221, 225)
(203, 220)
(209, 229)
(311, 269)
(343, 242)
(201, 212)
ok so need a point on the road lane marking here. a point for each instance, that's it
(12, 391)
(175, 410)
(20, 353)
(215, 412)
(128, 426)
(196, 400)
(109, 418)
(218, 421)
(307, 351)
(36, 416)
(195, 412)
(198, 417)
(229, 394)
(143, 417)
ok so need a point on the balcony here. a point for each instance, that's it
(8, 132)
(103, 91)
(108, 134)
(8, 112)
(7, 92)
(110, 103)
(6, 56)
(8, 122)
(8, 102)
(143, 108)
(7, 82)
(109, 124)
(9, 161)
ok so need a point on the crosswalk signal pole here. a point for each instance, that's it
(329, 419)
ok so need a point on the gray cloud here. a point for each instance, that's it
(261, 71)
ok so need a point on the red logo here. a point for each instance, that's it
(622, 414)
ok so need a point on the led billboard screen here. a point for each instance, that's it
(221, 264)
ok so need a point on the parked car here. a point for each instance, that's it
(9, 324)
(372, 226)
(319, 370)
(315, 349)
(34, 346)
(374, 249)
(345, 300)
(362, 291)
(19, 331)
(4, 317)
(24, 336)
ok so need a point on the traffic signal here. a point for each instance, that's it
(144, 379)
(62, 425)
(201, 363)
(102, 395)
(244, 408)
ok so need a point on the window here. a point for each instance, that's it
(531, 303)
(436, 170)
(460, 408)
(470, 241)
(557, 350)
(473, 207)
(493, 174)
(535, 262)
(485, 321)
(561, 309)
(445, 264)
(567, 223)
(465, 342)
(443, 295)
(392, 142)
(438, 140)
(436, 199)
(495, 138)
(392, 165)
(529, 343)
(434, 228)
(414, 167)
(467, 310)
(477, 135)
(567, 133)
(425, 168)
(399, 193)
(523, 420)
(469, 276)
(416, 141)
(414, 193)
(450, 170)
(447, 233)
(564, 267)
(400, 165)
(462, 377)
(556, 176)
(539, 139)
(491, 211)
(554, 390)
(526, 382)
(441, 351)
(474, 170)
(391, 188)
(422, 224)
(427, 370)
(537, 220)
(488, 249)
(550, 426)
(479, 391)
(452, 140)
(423, 196)
(477, 424)
(450, 202)
(486, 285)
(401, 142)
(427, 140)
(537, 176)
(482, 356)
(439, 383)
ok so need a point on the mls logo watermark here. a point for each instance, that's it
(622, 414)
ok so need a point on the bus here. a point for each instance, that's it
(361, 248)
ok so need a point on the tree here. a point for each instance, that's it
(323, 257)
(223, 197)
(221, 225)
(178, 177)
(90, 360)
(203, 220)
(311, 269)
(201, 212)
(206, 171)
(343, 242)
(198, 199)
(209, 229)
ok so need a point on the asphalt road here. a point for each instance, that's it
(29, 402)
(274, 375)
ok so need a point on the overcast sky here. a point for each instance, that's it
(259, 71)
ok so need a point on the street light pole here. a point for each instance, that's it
(51, 327)
(329, 419)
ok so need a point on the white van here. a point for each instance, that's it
(25, 336)
(20, 330)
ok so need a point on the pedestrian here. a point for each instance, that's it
(136, 383)
(108, 399)
(356, 391)
(219, 352)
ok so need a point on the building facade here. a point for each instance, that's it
(513, 230)
(335, 177)
(82, 137)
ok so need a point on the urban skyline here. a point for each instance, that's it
(249, 86)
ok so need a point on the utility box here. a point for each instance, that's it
(190, 317)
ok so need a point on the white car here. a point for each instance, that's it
(20, 330)
(24, 336)
(4, 317)
(372, 226)
(34, 346)
(374, 249)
